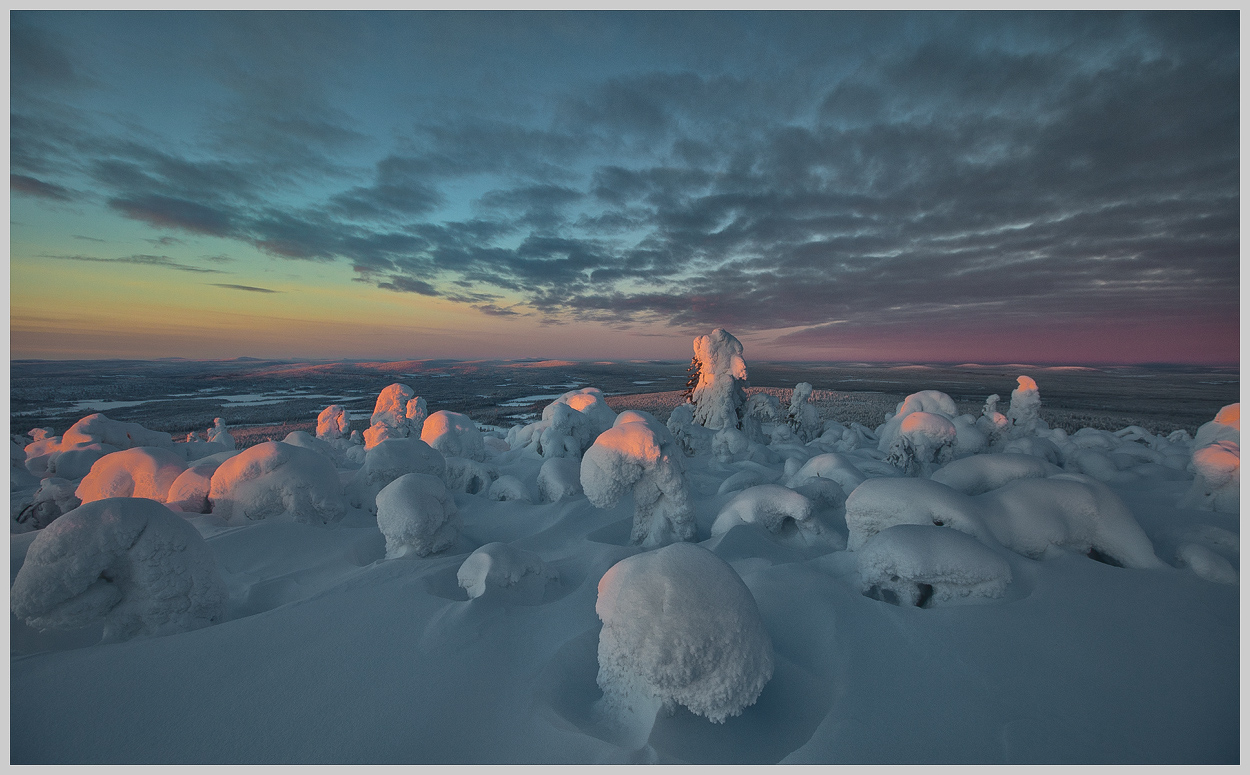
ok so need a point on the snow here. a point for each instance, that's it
(128, 563)
(681, 627)
(138, 472)
(454, 435)
(928, 565)
(416, 514)
(719, 398)
(1045, 597)
(277, 481)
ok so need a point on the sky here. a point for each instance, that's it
(924, 187)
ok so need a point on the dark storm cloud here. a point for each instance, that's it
(977, 166)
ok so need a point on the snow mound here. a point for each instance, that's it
(680, 627)
(277, 481)
(139, 472)
(719, 397)
(98, 429)
(639, 454)
(508, 488)
(308, 441)
(560, 477)
(982, 473)
(694, 438)
(189, 492)
(54, 497)
(417, 514)
(332, 423)
(388, 461)
(129, 562)
(768, 505)
(1217, 477)
(878, 504)
(1225, 427)
(923, 440)
(1206, 564)
(568, 425)
(469, 476)
(502, 566)
(923, 565)
(454, 435)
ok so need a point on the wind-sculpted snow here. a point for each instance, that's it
(388, 461)
(129, 563)
(767, 505)
(982, 473)
(559, 477)
(1028, 516)
(926, 565)
(640, 455)
(139, 472)
(277, 481)
(500, 566)
(417, 514)
(680, 628)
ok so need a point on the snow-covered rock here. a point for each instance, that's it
(504, 567)
(640, 455)
(923, 565)
(138, 472)
(417, 514)
(680, 628)
(277, 481)
(130, 563)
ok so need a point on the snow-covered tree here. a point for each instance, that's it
(719, 396)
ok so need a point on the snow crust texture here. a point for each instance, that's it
(129, 563)
(679, 624)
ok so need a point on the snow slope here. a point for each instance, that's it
(331, 653)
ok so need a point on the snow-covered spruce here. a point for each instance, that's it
(560, 477)
(1225, 427)
(129, 562)
(220, 434)
(802, 415)
(332, 423)
(931, 401)
(568, 425)
(388, 461)
(501, 566)
(1217, 477)
(767, 505)
(719, 396)
(923, 565)
(680, 628)
(139, 472)
(454, 435)
(693, 438)
(397, 414)
(924, 440)
(417, 514)
(508, 488)
(277, 481)
(982, 473)
(639, 454)
(1023, 414)
(189, 492)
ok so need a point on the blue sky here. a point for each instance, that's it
(849, 186)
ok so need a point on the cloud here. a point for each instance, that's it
(88, 239)
(251, 288)
(24, 184)
(143, 260)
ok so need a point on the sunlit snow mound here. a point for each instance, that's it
(139, 472)
(680, 627)
(277, 481)
(454, 435)
(129, 562)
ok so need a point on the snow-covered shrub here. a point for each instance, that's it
(96, 428)
(730, 445)
(189, 492)
(1206, 564)
(923, 565)
(568, 425)
(639, 454)
(558, 477)
(1036, 446)
(129, 562)
(508, 488)
(969, 439)
(469, 476)
(930, 401)
(767, 505)
(924, 440)
(417, 514)
(332, 423)
(53, 498)
(803, 417)
(277, 481)
(1023, 414)
(397, 414)
(719, 397)
(982, 473)
(680, 628)
(502, 566)
(1217, 477)
(139, 472)
(752, 473)
(388, 461)
(454, 435)
(220, 434)
(39, 452)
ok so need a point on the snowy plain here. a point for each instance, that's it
(334, 644)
